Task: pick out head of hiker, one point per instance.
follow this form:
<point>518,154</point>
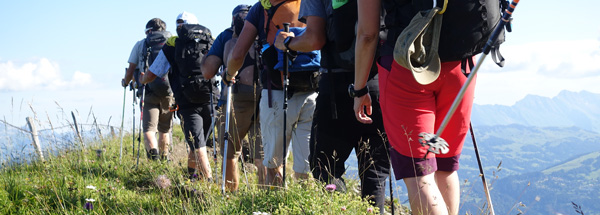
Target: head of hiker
<point>186,18</point>
<point>238,15</point>
<point>155,24</point>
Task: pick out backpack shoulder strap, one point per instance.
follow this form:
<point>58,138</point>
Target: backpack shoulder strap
<point>171,41</point>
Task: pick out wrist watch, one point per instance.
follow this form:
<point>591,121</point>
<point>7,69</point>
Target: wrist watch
<point>287,42</point>
<point>357,93</point>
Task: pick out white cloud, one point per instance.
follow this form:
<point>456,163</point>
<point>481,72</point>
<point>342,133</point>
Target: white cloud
<point>41,75</point>
<point>542,69</point>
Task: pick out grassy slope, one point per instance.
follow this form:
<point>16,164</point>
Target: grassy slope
<point>59,186</point>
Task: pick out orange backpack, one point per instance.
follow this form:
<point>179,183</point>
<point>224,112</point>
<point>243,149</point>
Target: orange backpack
<point>281,12</point>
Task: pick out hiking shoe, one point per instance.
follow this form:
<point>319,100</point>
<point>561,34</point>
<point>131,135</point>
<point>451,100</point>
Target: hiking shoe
<point>153,154</point>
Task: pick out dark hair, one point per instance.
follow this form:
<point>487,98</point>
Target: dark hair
<point>156,24</point>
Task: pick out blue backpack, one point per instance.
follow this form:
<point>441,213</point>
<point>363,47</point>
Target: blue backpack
<point>301,61</point>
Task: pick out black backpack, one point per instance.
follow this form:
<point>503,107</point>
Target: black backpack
<point>466,24</point>
<point>152,46</point>
<point>192,44</point>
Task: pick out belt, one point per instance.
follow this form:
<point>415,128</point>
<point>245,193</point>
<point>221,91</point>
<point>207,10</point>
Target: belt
<point>339,70</point>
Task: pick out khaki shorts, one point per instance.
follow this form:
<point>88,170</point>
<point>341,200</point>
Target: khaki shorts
<point>301,107</point>
<point>244,121</point>
<point>156,114</point>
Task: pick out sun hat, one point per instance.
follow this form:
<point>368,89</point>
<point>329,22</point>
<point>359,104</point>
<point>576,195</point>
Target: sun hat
<point>240,8</point>
<point>417,46</point>
<point>187,18</point>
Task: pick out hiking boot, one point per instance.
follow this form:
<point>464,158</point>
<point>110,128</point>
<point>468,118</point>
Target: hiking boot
<point>152,154</point>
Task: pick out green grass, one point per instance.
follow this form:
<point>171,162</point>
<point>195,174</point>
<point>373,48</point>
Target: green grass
<point>58,186</point>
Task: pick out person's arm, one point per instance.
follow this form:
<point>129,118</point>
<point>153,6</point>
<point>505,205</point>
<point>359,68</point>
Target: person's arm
<point>159,68</point>
<point>245,40</point>
<point>210,66</point>
<point>214,59</point>
<point>133,61</point>
<point>366,44</point>
<point>128,74</point>
<point>312,39</point>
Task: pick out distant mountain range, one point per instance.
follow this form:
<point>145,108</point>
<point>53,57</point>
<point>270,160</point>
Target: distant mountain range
<point>580,109</point>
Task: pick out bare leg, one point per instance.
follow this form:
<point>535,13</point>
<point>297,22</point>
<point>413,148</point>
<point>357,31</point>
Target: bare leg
<point>150,140</point>
<point>261,171</point>
<point>163,144</point>
<point>199,160</point>
<point>301,176</point>
<point>449,186</point>
<point>232,175</point>
<point>424,196</point>
<point>274,176</point>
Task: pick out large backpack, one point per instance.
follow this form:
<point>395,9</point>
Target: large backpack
<point>281,11</point>
<point>192,44</point>
<point>152,45</point>
<point>466,24</point>
<point>302,79</point>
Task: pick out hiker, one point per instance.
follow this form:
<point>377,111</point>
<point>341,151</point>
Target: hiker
<point>335,131</point>
<point>184,54</point>
<point>301,101</point>
<point>416,101</point>
<point>158,96</point>
<point>246,92</point>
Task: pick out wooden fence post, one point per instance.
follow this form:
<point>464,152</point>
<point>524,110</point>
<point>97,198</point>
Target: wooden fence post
<point>34,136</point>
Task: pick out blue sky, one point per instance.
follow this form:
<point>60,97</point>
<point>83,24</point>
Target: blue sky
<point>74,52</point>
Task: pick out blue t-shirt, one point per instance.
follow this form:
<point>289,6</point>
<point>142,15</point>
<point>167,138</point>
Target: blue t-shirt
<point>314,8</point>
<point>256,17</point>
<point>218,47</point>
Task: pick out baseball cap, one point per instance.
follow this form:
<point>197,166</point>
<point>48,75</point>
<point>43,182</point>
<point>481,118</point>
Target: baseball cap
<point>240,8</point>
<point>186,18</point>
<point>417,46</point>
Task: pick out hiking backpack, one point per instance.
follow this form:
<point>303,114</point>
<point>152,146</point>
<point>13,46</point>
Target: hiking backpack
<point>281,11</point>
<point>302,78</point>
<point>466,25</point>
<point>152,45</point>
<point>192,44</point>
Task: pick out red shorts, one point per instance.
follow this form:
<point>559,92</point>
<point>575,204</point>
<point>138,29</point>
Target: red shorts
<point>410,108</point>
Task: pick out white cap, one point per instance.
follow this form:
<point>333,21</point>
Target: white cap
<point>188,18</point>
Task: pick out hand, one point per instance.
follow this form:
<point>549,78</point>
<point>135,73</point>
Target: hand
<point>279,40</point>
<point>123,83</point>
<point>141,77</point>
<point>229,78</point>
<point>360,104</point>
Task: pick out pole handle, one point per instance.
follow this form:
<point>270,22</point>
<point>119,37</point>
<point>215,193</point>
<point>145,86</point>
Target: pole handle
<point>286,26</point>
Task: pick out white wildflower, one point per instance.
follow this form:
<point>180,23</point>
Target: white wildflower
<point>163,182</point>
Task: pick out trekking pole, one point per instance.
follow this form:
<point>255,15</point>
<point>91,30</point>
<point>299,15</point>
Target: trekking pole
<point>211,128</point>
<point>226,135</point>
<point>485,187</point>
<point>134,103</point>
<point>391,191</point>
<point>434,141</point>
<point>122,120</point>
<point>286,59</point>
<point>141,125</point>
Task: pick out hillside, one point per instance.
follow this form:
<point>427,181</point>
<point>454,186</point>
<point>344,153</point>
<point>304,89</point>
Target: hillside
<point>93,181</point>
<point>553,190</point>
<point>555,162</point>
